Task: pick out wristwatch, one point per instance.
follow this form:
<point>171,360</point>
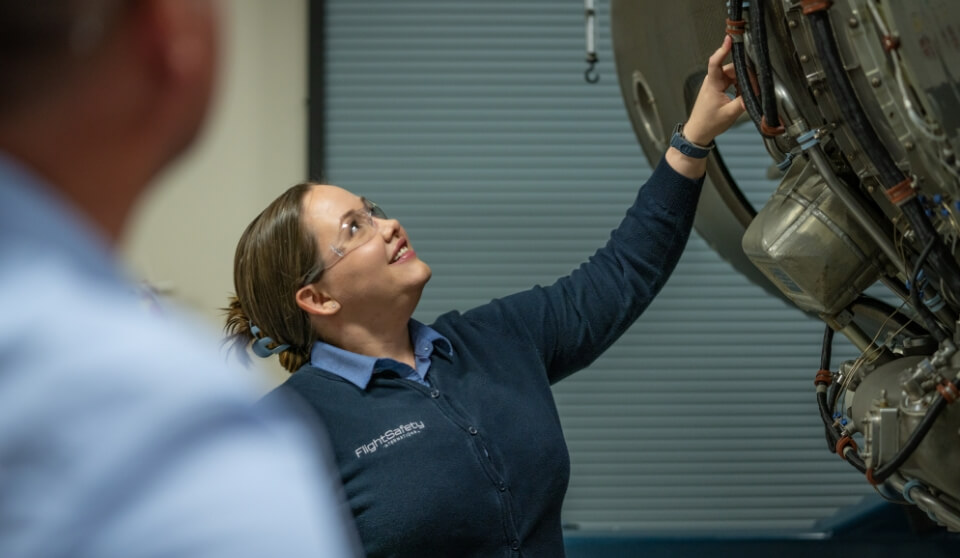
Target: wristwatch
<point>687,147</point>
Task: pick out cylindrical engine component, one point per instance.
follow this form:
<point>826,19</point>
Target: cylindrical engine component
<point>934,460</point>
<point>808,244</point>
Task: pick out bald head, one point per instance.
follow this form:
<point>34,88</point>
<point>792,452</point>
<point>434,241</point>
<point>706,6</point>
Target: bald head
<point>40,41</point>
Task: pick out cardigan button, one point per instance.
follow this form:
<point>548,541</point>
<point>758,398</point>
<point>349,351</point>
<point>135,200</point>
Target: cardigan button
<point>503,487</point>
<point>435,393</point>
<point>472,430</point>
<point>515,544</point>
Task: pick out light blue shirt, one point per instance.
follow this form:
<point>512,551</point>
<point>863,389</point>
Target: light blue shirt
<point>124,433</point>
<point>358,369</point>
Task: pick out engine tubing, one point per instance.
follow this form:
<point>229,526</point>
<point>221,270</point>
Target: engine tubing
<point>770,120</point>
<point>744,82</point>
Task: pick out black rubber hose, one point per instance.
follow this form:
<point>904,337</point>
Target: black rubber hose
<point>836,75</point>
<point>826,348</point>
<point>768,95</point>
<point>887,469</point>
<point>826,412</point>
<point>833,435</point>
<point>858,464</point>
<point>941,261</point>
<point>739,55</point>
<point>926,315</point>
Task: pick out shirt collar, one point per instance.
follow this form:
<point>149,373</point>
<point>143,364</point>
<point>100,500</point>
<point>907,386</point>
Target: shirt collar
<point>358,369</point>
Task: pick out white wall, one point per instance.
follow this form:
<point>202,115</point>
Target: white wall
<point>184,234</point>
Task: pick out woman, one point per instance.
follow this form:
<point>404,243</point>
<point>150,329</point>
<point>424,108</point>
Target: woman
<point>447,436</point>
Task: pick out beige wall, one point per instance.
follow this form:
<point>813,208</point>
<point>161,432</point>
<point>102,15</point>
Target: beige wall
<point>183,236</point>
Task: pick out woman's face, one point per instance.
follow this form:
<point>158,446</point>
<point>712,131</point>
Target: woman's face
<point>380,271</point>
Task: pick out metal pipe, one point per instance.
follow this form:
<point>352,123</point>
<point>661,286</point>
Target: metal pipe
<point>945,514</point>
<point>856,208</point>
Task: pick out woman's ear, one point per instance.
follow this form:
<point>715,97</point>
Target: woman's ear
<point>314,301</point>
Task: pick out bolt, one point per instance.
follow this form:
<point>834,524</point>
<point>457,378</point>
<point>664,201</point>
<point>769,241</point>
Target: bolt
<point>908,145</point>
<point>852,156</point>
<point>875,82</point>
<point>792,24</point>
<point>804,58</point>
<point>853,22</point>
<point>870,188</point>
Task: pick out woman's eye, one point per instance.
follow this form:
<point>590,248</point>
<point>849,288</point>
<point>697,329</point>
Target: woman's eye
<point>354,228</point>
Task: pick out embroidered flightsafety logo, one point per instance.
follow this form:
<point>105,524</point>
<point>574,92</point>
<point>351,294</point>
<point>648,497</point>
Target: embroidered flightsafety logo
<point>390,437</point>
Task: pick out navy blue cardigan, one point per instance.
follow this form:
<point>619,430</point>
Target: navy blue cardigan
<point>476,464</point>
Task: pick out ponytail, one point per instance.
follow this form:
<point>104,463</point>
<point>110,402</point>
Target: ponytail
<point>242,334</point>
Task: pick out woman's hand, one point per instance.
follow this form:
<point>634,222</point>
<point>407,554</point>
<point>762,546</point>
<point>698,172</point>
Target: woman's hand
<point>714,112</point>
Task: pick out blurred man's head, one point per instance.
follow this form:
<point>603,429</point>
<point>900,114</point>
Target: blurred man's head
<point>99,96</point>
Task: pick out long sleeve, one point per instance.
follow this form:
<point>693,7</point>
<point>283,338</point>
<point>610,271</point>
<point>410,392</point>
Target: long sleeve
<point>578,317</point>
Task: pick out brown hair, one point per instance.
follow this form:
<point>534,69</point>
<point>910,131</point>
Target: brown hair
<point>275,255</point>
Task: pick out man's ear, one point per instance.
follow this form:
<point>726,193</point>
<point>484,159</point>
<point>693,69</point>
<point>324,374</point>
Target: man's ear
<point>316,302</point>
<point>180,34</point>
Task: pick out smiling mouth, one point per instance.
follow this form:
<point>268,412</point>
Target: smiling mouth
<point>404,249</point>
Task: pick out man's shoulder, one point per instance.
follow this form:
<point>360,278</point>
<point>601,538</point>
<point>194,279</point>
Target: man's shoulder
<point>65,329</point>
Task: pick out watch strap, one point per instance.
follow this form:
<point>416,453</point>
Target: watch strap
<point>687,147</point>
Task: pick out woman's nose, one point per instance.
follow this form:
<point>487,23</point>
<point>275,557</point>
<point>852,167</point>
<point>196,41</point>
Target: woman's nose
<point>388,228</point>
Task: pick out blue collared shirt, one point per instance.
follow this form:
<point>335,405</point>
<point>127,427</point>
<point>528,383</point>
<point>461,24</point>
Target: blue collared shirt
<point>358,369</point>
<point>117,424</point>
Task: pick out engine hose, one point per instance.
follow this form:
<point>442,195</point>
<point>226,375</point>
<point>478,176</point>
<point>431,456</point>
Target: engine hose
<point>833,437</point>
<point>887,469</point>
<point>826,414</point>
<point>739,55</point>
<point>826,349</point>
<point>926,316</point>
<point>893,179</point>
<point>770,119</point>
<point>940,259</point>
<point>836,76</point>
